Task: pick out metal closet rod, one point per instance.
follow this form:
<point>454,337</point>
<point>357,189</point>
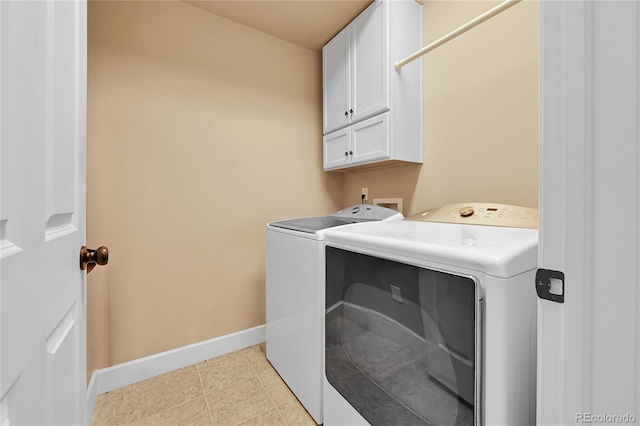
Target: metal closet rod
<point>460,30</point>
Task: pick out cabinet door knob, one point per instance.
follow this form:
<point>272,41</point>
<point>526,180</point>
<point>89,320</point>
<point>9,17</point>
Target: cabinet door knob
<point>346,113</point>
<point>346,154</point>
<point>350,152</point>
<point>351,111</point>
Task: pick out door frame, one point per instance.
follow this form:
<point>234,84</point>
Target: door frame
<point>589,346</point>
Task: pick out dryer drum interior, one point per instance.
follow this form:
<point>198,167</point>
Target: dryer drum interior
<point>403,344</point>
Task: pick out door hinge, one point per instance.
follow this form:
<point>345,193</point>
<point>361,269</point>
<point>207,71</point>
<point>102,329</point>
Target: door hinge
<point>550,285</point>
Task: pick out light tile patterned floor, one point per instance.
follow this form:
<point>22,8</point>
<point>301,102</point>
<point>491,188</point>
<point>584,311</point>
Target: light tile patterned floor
<point>240,388</point>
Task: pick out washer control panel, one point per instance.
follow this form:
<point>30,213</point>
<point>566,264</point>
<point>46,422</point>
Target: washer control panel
<point>363,212</point>
<point>481,214</point>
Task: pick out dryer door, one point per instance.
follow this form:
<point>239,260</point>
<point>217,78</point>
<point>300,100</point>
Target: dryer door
<point>403,344</point>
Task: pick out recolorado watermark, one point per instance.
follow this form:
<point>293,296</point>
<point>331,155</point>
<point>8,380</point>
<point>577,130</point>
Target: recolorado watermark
<point>606,418</point>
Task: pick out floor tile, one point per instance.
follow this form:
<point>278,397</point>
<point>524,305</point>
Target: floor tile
<point>238,402</point>
<point>268,418</point>
<point>223,371</point>
<point>398,357</point>
<point>276,388</point>
<point>257,359</point>
<point>410,374</point>
<point>105,414</point>
<point>466,419</point>
<point>294,414</point>
<point>376,420</point>
<point>193,413</point>
<point>132,403</point>
<point>239,388</point>
<point>435,403</point>
<point>351,395</point>
<point>368,390</point>
<point>120,407</point>
<point>386,382</point>
<point>396,413</point>
<point>370,347</point>
<point>338,364</point>
<point>170,389</point>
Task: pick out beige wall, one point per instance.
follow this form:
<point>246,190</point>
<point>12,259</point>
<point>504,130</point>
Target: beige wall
<point>200,131</point>
<point>480,114</point>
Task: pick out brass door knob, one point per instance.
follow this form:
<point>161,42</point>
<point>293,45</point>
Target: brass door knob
<point>90,258</point>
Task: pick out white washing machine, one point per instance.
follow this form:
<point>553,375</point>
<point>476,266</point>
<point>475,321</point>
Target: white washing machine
<point>295,297</point>
<point>431,320</point>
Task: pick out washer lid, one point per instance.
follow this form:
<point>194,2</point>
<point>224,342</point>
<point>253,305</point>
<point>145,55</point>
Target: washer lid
<point>311,225</point>
<point>353,214</point>
<point>497,251</point>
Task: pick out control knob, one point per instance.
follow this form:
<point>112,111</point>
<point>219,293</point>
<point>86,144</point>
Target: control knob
<point>466,211</point>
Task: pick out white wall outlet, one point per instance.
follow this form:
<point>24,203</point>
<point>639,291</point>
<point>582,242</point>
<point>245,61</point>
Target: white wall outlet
<point>365,192</point>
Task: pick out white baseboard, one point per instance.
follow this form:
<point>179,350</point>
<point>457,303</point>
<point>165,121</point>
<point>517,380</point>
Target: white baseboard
<point>107,379</point>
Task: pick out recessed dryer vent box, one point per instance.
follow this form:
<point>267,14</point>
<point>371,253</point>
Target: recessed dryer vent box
<point>390,203</point>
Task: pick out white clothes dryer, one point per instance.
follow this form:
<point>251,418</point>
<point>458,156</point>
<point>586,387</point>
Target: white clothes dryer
<point>431,320</point>
<point>295,297</point>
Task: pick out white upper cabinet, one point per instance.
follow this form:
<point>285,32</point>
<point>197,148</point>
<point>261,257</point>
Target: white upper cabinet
<point>369,83</point>
<point>336,68</point>
<point>365,141</point>
<point>354,72</point>
<point>360,83</point>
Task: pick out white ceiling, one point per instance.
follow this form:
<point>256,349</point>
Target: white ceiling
<point>307,23</point>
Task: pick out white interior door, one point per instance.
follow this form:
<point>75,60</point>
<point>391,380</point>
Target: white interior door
<point>589,346</point>
<point>42,155</point>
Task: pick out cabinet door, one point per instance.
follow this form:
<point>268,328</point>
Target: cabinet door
<point>335,82</point>
<point>336,150</point>
<point>370,65</point>
<point>370,139</point>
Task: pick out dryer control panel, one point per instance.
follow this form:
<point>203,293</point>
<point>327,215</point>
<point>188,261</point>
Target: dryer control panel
<point>481,214</point>
<point>365,212</point>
